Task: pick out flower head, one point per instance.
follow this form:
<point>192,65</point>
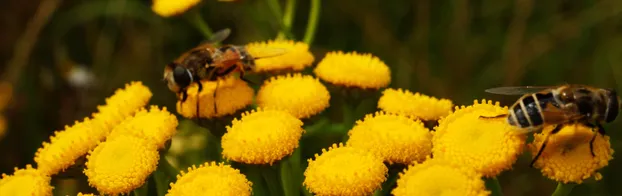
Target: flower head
<point>417,105</point>
<point>167,8</point>
<point>434,177</point>
<point>396,138</point>
<point>211,179</point>
<point>156,125</point>
<point>490,146</point>
<point>123,104</point>
<point>567,156</point>
<point>121,164</point>
<point>85,194</point>
<point>262,137</point>
<point>345,170</point>
<point>232,94</point>
<point>280,55</point>
<point>354,70</point>
<point>301,95</point>
<point>28,181</point>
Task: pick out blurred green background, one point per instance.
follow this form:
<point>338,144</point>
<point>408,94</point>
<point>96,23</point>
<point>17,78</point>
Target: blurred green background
<point>450,49</point>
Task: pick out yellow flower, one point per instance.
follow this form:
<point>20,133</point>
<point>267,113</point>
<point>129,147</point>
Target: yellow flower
<point>68,145</point>
<point>167,8</point>
<point>28,181</point>
<point>85,194</point>
<point>352,69</point>
<point>233,94</point>
<point>396,138</point>
<point>157,126</point>
<point>280,55</point>
<point>345,170</point>
<point>490,146</point>
<point>567,157</point>
<point>434,177</point>
<point>211,179</point>
<point>261,137</point>
<point>122,164</point>
<point>301,95</point>
<point>416,105</point>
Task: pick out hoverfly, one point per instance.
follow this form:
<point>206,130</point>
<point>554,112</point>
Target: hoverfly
<point>558,105</point>
<point>208,62</point>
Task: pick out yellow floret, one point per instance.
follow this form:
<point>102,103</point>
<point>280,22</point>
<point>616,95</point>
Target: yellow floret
<point>353,69</point>
<point>27,181</point>
<point>280,55</point>
<point>167,8</point>
<point>301,95</point>
<point>233,94</point>
<point>211,179</point>
<point>156,125</point>
<point>416,105</point>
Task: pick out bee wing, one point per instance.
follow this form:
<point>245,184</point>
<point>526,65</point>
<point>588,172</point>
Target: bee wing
<point>266,52</point>
<point>517,90</point>
<point>556,115</point>
<point>219,36</point>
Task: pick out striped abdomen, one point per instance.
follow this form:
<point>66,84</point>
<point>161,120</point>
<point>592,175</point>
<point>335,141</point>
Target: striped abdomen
<point>527,111</point>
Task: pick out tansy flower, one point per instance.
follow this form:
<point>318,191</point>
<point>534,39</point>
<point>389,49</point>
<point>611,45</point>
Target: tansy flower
<point>352,69</point>
<point>490,146</point>
<point>167,8</point>
<point>345,170</point>
<point>280,55</point>
<point>122,164</point>
<point>261,137</point>
<point>232,94</point>
<point>396,138</point>
<point>434,177</point>
<point>68,145</point>
<point>211,179</point>
<point>416,105</point>
<point>28,181</point>
<point>157,126</point>
<point>85,194</point>
<point>301,95</point>
<point>567,157</point>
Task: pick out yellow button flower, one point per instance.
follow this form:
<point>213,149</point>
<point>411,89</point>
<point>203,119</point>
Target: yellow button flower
<point>121,165</point>
<point>85,194</point>
<point>345,170</point>
<point>167,8</point>
<point>396,138</point>
<point>280,55</point>
<point>301,95</point>
<point>353,69</point>
<point>233,94</point>
<point>567,157</point>
<point>28,181</point>
<point>156,125</point>
<point>416,105</point>
<point>490,146</point>
<point>211,179</point>
<point>434,177</point>
<point>261,137</point>
<point>123,104</point>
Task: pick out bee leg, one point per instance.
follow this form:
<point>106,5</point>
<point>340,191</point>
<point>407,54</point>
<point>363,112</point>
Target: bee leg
<point>493,117</point>
<point>184,96</point>
<point>546,139</point>
<point>600,130</point>
<point>244,79</point>
<point>198,92</point>
<point>214,97</point>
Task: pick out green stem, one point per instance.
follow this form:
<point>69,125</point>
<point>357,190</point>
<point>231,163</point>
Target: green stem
<point>195,18</point>
<point>288,18</point>
<point>275,7</point>
<point>271,180</point>
<point>291,174</point>
<point>563,189</point>
<point>314,15</point>
<point>494,186</point>
<point>253,173</point>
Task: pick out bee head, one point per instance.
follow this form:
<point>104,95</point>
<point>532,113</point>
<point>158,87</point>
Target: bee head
<point>177,77</point>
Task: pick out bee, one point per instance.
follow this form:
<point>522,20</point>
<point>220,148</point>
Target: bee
<point>209,62</point>
<point>559,105</point>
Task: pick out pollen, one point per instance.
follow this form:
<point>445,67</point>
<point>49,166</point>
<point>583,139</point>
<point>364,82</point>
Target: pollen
<point>74,141</point>
<point>301,95</point>
<point>417,105</point>
<point>232,94</point>
<point>122,164</point>
<point>489,146</point>
<point>211,179</point>
<point>27,181</point>
<point>262,137</point>
<point>396,138</point>
<point>156,125</point>
<point>280,55</point>
<point>353,69</point>
<point>567,157</point>
<point>434,177</point>
<point>345,170</point>
<point>167,8</point>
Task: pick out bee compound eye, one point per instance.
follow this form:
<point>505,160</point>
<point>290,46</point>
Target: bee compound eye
<point>182,76</point>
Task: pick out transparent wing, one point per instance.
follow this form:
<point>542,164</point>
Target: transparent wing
<point>556,115</point>
<point>517,90</point>
<point>266,52</point>
<point>220,36</point>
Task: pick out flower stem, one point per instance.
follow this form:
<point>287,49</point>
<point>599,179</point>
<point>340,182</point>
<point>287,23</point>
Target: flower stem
<point>290,170</point>
<point>494,186</point>
<point>563,189</point>
<point>195,18</point>
<point>288,18</point>
<point>271,180</point>
<point>314,15</point>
